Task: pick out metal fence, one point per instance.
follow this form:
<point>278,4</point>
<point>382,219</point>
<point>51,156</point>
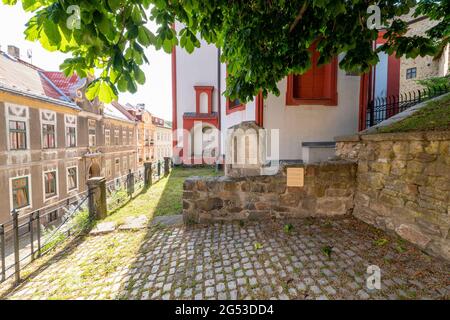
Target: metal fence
<point>383,108</point>
<point>26,237</point>
<point>121,189</point>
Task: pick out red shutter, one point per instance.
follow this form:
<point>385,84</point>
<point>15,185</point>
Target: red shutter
<point>317,86</point>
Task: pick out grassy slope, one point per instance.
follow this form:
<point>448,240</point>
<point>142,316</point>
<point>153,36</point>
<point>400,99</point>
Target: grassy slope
<point>162,198</point>
<point>434,116</point>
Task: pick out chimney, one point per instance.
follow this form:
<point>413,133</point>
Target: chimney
<point>14,51</point>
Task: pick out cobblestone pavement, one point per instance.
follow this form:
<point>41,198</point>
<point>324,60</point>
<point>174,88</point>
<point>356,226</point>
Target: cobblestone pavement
<point>308,259</point>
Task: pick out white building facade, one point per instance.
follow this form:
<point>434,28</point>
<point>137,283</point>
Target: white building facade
<point>311,110</point>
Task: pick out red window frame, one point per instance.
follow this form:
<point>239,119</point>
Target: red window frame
<point>330,80</point>
<point>230,108</point>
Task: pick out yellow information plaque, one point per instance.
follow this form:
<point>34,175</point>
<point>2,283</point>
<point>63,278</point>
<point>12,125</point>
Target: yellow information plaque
<point>295,177</point>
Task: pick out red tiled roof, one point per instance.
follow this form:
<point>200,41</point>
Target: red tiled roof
<point>59,79</point>
<point>123,110</point>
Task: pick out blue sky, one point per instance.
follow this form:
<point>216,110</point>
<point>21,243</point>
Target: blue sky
<point>156,93</point>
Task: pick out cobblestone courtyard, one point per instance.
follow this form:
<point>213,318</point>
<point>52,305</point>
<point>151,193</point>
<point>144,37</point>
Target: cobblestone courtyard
<point>308,259</point>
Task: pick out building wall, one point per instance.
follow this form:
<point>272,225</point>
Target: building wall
<point>35,160</point>
<point>310,123</point>
<point>427,67</point>
<point>163,143</point>
<point>296,124</point>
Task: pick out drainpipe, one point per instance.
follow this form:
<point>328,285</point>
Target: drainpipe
<point>219,101</point>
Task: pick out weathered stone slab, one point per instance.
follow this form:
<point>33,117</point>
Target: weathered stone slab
<point>135,223</point>
<point>171,220</point>
<point>103,228</point>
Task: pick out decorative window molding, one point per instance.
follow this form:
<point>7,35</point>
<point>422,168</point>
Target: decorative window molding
<point>124,137</point>
<point>317,86</point>
<point>48,129</point>
<point>208,90</point>
<point>116,137</point>
<point>17,116</point>
<point>233,105</point>
<point>92,129</point>
<point>48,177</point>
<point>72,178</point>
<point>107,137</point>
<point>16,184</point>
<point>130,137</point>
<point>70,122</point>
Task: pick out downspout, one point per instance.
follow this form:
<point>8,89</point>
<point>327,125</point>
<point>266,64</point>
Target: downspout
<point>219,103</point>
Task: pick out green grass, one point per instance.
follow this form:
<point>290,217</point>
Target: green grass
<point>162,198</point>
<point>435,116</point>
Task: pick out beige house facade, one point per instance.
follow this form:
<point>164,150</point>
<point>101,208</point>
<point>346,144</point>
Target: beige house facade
<point>52,139</point>
<point>420,68</point>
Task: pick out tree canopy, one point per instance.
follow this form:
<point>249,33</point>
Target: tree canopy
<point>262,41</point>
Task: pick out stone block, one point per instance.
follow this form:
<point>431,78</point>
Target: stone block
<point>209,204</point>
<point>413,234</point>
<point>331,206</point>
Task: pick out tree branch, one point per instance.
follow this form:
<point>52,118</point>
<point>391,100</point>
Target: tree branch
<point>299,16</point>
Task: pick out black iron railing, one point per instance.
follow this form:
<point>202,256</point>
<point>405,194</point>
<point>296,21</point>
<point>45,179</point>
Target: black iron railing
<point>26,237</point>
<point>383,108</point>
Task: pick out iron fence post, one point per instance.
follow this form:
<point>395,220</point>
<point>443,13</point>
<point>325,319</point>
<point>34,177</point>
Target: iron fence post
<point>31,236</point>
<point>2,254</point>
<point>38,232</point>
<point>372,113</point>
<point>15,217</point>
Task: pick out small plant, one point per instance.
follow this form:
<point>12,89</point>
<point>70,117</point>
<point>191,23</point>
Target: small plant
<point>327,250</point>
<point>288,228</point>
<point>400,246</point>
<point>381,242</point>
<point>258,246</point>
<point>241,223</point>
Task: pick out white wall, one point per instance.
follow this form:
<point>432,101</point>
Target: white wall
<point>196,69</point>
<point>297,124</point>
<point>233,118</point>
<point>310,123</point>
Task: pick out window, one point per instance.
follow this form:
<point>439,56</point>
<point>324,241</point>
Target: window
<point>91,132</point>
<point>107,137</point>
<point>20,192</point>
<point>130,161</point>
<point>71,137</point>
<point>125,164</point>
<point>124,137</point>
<point>116,137</point>
<point>117,167</point>
<point>53,215</point>
<point>411,73</point>
<point>130,137</point>
<point>234,105</point>
<point>17,135</point>
<point>71,131</point>
<point>50,186</point>
<point>72,178</point>
<point>317,86</point>
<point>48,122</point>
<point>108,168</point>
<point>48,136</point>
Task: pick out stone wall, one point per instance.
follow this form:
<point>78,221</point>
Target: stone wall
<point>328,190</point>
<point>403,185</point>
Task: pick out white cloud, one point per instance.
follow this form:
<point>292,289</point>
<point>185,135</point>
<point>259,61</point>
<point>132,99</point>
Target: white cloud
<point>156,93</point>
